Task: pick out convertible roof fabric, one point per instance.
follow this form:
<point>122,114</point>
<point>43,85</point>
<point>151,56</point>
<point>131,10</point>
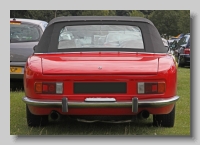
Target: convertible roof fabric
<point>151,37</point>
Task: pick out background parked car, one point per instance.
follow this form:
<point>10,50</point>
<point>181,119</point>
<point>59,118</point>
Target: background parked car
<point>166,44</point>
<point>182,50</point>
<point>177,38</point>
<point>171,40</point>
<point>24,35</point>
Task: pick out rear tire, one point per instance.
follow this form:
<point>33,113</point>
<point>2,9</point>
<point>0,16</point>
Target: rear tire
<point>35,120</point>
<point>164,120</point>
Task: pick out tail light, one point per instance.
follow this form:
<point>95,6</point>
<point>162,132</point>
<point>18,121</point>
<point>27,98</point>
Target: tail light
<point>187,51</point>
<point>151,87</point>
<point>49,87</point>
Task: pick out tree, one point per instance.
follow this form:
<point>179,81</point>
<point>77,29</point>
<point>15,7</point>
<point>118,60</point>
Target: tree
<point>136,13</point>
<point>166,22</point>
<point>184,21</point>
<point>45,15</point>
<point>95,13</point>
<point>146,12</point>
<point>18,13</point>
<point>123,12</point>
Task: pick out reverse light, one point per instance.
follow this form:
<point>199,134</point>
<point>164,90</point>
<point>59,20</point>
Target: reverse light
<point>49,87</point>
<point>151,87</point>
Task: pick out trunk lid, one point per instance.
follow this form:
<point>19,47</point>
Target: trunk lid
<point>100,64</point>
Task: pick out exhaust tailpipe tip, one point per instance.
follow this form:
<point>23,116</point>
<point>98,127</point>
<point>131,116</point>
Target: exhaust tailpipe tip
<point>143,115</point>
<point>54,115</point>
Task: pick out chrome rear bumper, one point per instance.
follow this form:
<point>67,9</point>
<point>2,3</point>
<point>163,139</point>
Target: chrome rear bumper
<point>134,104</point>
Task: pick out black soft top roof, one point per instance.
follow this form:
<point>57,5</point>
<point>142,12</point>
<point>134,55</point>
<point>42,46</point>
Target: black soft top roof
<point>99,18</point>
<point>151,37</point>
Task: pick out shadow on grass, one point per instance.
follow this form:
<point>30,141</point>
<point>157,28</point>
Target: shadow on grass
<point>16,85</point>
<point>69,126</point>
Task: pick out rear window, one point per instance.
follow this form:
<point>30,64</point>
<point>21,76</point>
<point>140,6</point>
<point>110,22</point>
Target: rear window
<point>24,32</point>
<point>100,36</point>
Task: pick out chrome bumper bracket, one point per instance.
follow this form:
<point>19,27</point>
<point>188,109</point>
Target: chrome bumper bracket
<point>64,104</point>
<point>134,105</point>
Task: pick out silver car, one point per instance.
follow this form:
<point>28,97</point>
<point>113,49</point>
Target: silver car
<point>24,35</point>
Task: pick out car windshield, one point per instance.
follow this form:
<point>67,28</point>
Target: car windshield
<point>21,32</point>
<point>100,36</point>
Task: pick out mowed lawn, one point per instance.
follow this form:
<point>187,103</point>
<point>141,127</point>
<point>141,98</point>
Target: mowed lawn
<point>66,126</point>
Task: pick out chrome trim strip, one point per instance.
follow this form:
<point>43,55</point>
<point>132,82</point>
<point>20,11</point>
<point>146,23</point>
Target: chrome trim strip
<point>141,103</point>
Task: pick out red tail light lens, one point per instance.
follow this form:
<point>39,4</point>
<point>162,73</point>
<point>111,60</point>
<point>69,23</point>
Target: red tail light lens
<point>151,87</point>
<point>49,88</point>
<point>187,51</point>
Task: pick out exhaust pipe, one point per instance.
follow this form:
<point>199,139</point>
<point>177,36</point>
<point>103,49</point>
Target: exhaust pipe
<point>54,115</point>
<point>143,115</point>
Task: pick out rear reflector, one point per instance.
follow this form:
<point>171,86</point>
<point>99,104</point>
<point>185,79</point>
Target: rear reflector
<point>49,87</point>
<point>151,87</point>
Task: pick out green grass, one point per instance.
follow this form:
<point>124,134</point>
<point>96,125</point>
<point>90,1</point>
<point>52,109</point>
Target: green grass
<point>66,126</point>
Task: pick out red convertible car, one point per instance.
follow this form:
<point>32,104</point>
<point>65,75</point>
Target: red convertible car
<point>93,67</point>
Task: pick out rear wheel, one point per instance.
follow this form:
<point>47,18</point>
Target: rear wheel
<point>164,120</point>
<point>35,120</point>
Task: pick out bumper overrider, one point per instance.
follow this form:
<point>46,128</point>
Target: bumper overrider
<point>101,103</point>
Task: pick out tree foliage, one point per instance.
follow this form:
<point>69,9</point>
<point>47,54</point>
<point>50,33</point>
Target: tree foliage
<point>123,12</point>
<point>166,21</point>
<point>169,22</point>
<point>184,21</point>
<point>147,12</point>
<point>97,13</point>
<point>136,14</point>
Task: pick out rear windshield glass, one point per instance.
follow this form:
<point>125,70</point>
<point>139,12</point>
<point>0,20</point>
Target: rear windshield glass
<point>100,36</point>
<point>20,32</point>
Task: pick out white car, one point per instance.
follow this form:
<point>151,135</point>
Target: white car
<point>166,44</point>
